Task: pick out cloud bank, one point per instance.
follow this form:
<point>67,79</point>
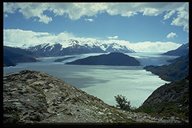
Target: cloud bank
<point>157,46</point>
<point>75,11</point>
<point>25,38</point>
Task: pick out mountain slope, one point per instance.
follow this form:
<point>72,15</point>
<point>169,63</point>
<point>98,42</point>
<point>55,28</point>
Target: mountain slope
<point>115,59</point>
<point>8,62</point>
<point>35,97</point>
<point>72,46</point>
<point>181,51</point>
<point>177,70</point>
<point>12,56</point>
<point>170,99</point>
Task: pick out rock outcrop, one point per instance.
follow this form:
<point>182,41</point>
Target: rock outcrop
<point>35,97</point>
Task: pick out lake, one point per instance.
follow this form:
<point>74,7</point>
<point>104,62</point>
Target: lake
<point>104,82</point>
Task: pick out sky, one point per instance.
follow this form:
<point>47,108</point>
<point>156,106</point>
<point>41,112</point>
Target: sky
<point>141,23</point>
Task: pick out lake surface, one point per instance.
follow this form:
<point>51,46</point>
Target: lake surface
<point>104,82</point>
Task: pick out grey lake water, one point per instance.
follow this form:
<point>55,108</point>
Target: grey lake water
<point>104,82</point>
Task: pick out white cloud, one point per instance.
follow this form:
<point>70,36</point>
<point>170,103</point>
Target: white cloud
<point>148,46</point>
<point>89,20</point>
<point>171,35</point>
<point>182,18</point>
<point>19,38</point>
<point>9,8</point>
<point>169,14</point>
<point>77,10</point>
<point>29,10</point>
<point>112,37</point>
<point>150,12</point>
<point>45,19</point>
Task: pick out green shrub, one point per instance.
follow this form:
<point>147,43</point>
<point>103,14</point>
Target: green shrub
<point>122,102</point>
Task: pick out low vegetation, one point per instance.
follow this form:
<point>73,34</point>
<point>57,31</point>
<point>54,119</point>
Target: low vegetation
<point>122,102</point>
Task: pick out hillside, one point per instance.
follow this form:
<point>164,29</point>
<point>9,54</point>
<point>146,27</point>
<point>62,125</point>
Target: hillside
<point>170,99</point>
<point>177,70</point>
<point>114,59</point>
<point>181,51</point>
<point>35,97</point>
<point>12,56</point>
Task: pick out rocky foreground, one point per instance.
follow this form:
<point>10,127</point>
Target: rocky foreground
<point>36,97</point>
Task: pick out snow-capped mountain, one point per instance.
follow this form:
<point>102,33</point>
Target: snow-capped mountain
<point>74,46</point>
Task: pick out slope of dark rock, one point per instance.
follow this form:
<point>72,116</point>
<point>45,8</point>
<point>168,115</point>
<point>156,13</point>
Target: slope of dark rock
<point>170,99</point>
<point>12,56</point>
<point>35,97</point>
<point>115,59</point>
<point>8,62</point>
<point>177,70</point>
<point>181,51</point>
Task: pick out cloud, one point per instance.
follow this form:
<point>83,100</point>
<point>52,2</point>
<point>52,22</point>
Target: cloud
<point>77,10</point>
<point>182,18</point>
<point>169,14</point>
<point>149,46</point>
<point>89,20</point>
<point>112,37</point>
<point>29,10</point>
<point>171,35</point>
<point>150,12</point>
<point>20,38</point>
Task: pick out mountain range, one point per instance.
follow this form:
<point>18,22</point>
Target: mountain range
<point>13,55</point>
<point>78,47</point>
